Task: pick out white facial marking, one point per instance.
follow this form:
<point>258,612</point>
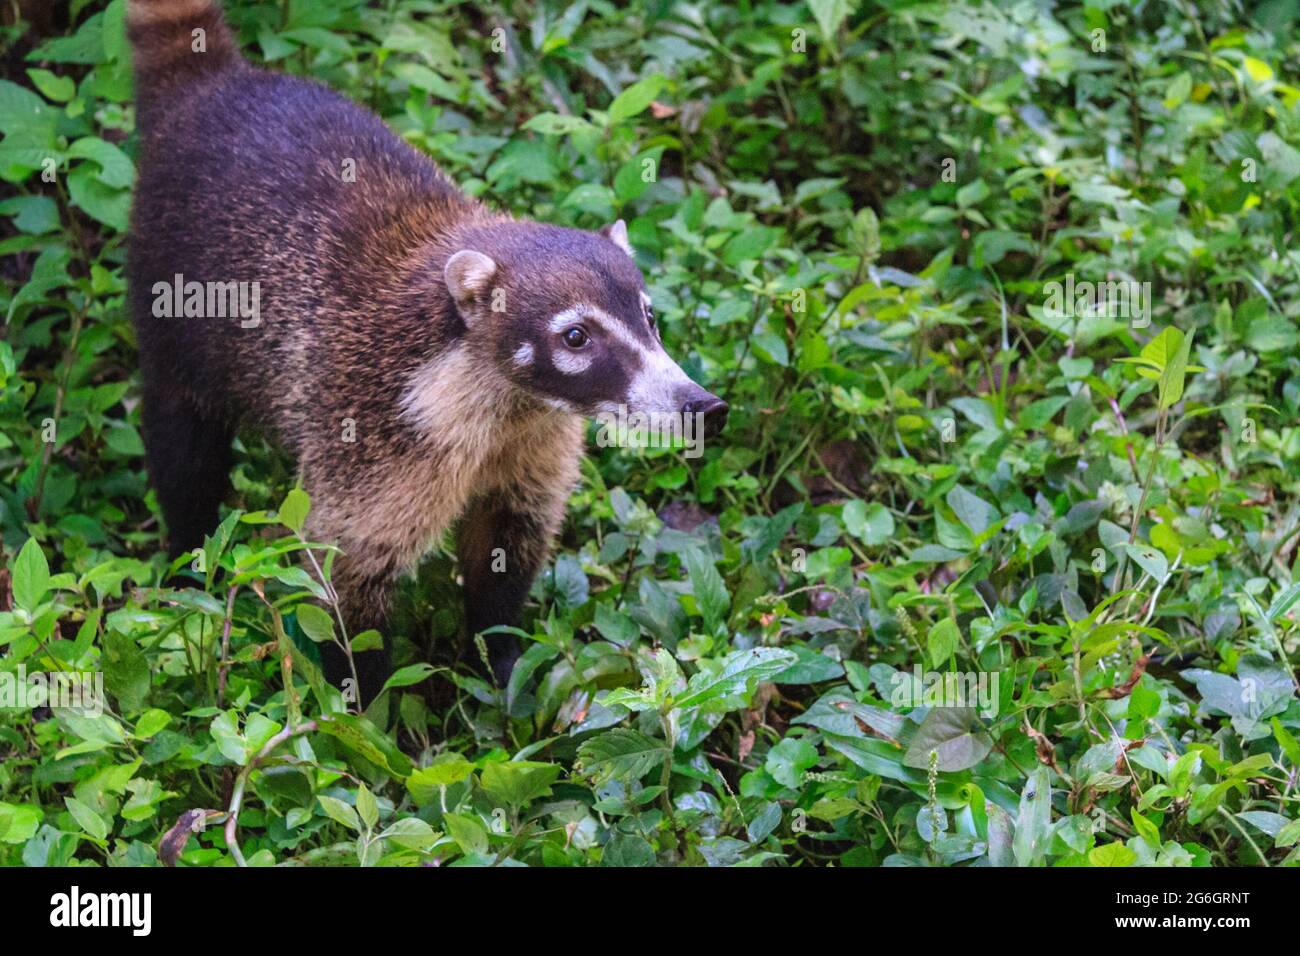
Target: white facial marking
<point>524,354</point>
<point>558,404</point>
<point>570,363</point>
<point>614,328</point>
<point>575,363</point>
<point>562,320</point>
<point>655,385</point>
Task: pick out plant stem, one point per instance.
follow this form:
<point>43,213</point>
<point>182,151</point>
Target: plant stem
<point>237,795</point>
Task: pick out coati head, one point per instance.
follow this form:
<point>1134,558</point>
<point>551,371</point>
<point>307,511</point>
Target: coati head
<point>564,316</point>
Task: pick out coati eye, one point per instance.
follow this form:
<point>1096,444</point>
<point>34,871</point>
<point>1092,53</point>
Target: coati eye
<point>575,337</point>
<point>650,317</point>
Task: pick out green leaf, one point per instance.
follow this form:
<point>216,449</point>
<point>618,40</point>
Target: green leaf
<point>444,770</point>
<point>258,730</point>
<point>1180,87</point>
<point>31,576</point>
<point>824,561</point>
<point>23,112</point>
<point>18,822</point>
<point>369,640</point>
<point>942,641</point>
<point>1289,835</point>
<point>1257,70</point>
<point>751,244</point>
<point>518,782</point>
<point>411,832</point>
<point>558,124</point>
<point>614,626</point>
<point>117,47</point>
<point>711,593</point>
<point>973,511</point>
<point>733,680</point>
<point>361,735</point>
<point>636,175</point>
<point>126,671</point>
<point>830,14</point>
<point>115,168</point>
<point>534,657</point>
<point>60,89</point>
<point>1158,352</point>
<point>319,38</point>
<point>151,722</point>
<point>571,585</point>
<point>409,675</point>
<point>125,440</point>
<point>810,667</point>
<point>1034,822</point>
<point>634,99</point>
<point>789,759</point>
<point>1145,829</point>
<point>469,834</point>
<point>627,850</point>
<point>86,818</point>
<point>972,194</point>
<point>773,532</point>
<point>316,623</point>
<point>951,733</point>
<point>294,509</point>
<point>367,807</point>
<point>36,215</point>
<point>872,524</point>
<point>1037,414</point>
<point>1150,560</point>
<point>1112,854</point>
<point>764,822</point>
<point>621,754</point>
<point>107,204</point>
<point>1287,742</point>
<point>1264,820</point>
<point>1174,376</point>
<point>340,811</point>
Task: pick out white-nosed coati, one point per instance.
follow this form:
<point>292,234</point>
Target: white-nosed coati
<point>424,358</point>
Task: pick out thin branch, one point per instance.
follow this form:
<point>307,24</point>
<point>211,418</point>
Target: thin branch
<point>223,668</point>
<point>237,796</point>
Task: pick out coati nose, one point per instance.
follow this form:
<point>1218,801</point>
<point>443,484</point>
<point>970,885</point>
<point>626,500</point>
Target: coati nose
<point>714,411</point>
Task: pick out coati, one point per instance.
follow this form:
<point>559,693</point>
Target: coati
<point>428,361</point>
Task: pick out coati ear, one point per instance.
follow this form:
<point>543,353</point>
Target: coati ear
<point>616,232</point>
<point>467,274</point>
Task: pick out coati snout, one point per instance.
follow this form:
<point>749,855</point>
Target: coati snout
<point>566,315</point>
<point>427,360</point>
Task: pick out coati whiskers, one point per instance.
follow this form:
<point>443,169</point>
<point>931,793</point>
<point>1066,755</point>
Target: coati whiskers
<point>427,360</point>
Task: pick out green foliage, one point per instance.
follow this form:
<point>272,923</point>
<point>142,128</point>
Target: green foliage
<point>958,470</point>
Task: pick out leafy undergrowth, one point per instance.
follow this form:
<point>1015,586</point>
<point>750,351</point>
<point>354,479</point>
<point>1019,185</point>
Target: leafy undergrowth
<point>976,575</point>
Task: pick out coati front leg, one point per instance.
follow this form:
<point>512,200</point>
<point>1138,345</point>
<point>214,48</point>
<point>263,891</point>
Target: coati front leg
<point>382,520</point>
<point>503,540</point>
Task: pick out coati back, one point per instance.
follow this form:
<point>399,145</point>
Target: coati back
<point>295,266</point>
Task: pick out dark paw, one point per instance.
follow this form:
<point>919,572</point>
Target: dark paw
<point>372,670</point>
<point>503,652</point>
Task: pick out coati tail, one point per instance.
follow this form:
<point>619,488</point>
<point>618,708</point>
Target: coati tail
<point>177,41</point>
